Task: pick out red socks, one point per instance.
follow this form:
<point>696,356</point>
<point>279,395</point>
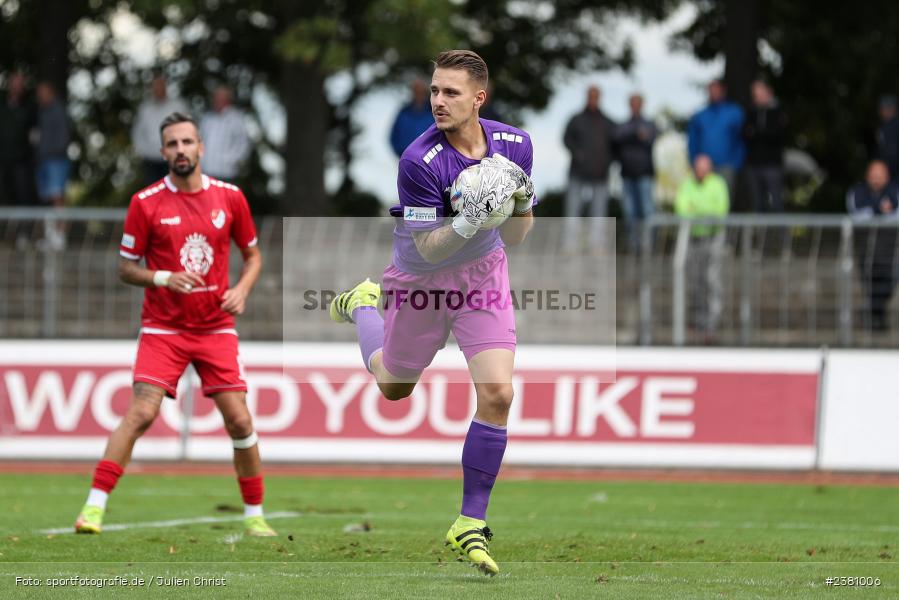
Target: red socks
<point>106,475</point>
<point>252,489</point>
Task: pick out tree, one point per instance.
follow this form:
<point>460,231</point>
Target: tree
<point>288,50</point>
<point>527,42</point>
<point>34,36</point>
<point>358,37</point>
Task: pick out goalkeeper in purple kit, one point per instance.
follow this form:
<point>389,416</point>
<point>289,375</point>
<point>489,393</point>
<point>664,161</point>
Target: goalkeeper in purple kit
<point>435,250</point>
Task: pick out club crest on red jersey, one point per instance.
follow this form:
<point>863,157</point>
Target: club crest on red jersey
<point>218,218</point>
<point>196,254</point>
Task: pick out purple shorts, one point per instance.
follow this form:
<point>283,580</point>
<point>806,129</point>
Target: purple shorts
<point>473,300</point>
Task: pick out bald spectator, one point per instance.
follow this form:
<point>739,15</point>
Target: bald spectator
<point>145,129</point>
<point>765,132</point>
<point>17,119</point>
<point>704,195</point>
<point>589,136</point>
<point>225,138</point>
<point>635,138</point>
<point>876,198</point>
<point>413,118</point>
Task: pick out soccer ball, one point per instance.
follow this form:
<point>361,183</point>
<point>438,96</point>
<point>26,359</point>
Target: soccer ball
<point>468,187</point>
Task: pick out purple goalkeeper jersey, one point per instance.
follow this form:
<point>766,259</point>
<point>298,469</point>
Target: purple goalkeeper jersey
<point>427,170</point>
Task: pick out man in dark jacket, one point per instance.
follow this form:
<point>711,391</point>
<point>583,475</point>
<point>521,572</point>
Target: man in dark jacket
<point>888,136</point>
<point>876,198</point>
<point>17,118</point>
<point>634,140</point>
<point>764,132</point>
<point>589,136</point>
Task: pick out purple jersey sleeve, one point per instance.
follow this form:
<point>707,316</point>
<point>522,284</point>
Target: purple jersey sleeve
<point>527,162</point>
<point>524,158</point>
<point>421,196</point>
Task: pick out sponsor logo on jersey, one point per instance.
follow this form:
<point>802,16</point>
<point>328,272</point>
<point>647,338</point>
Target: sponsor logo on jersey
<point>218,218</point>
<point>196,254</point>
<point>128,240</point>
<point>176,220</point>
<point>424,214</point>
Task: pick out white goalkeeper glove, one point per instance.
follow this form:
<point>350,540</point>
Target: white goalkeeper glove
<point>524,187</point>
<point>478,203</point>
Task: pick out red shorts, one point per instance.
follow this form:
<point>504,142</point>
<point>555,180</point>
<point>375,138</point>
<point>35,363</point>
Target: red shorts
<point>162,357</point>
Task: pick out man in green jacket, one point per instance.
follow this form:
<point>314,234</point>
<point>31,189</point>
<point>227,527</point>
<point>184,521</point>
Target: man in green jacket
<point>704,195</point>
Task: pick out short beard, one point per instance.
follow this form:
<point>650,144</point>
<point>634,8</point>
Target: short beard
<point>182,171</point>
<point>456,126</point>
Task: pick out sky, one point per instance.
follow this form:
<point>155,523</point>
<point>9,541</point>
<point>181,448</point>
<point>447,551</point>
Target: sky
<point>669,80</point>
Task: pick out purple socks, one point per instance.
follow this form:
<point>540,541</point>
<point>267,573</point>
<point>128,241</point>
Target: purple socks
<point>370,330</point>
<point>482,456</point>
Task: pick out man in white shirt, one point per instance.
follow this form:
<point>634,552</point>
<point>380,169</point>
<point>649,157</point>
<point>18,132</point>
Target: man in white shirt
<point>224,133</point>
<point>145,129</point>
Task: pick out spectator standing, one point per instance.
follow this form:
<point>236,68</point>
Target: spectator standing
<point>413,119</point>
<point>888,136</point>
<point>589,136</point>
<point>717,131</point>
<point>145,129</point>
<point>703,195</point>
<point>764,132</point>
<point>876,198</point>
<point>635,139</point>
<point>224,134</point>
<point>54,137</point>
<point>17,119</point>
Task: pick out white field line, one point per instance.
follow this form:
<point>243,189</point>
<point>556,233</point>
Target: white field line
<point>56,491</point>
<point>171,523</point>
<point>619,523</point>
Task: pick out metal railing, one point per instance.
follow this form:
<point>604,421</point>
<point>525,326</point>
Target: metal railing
<point>793,280</point>
<point>787,280</point>
<point>73,290</point>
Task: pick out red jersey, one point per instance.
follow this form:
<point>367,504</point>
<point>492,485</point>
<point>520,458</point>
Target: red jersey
<point>177,231</point>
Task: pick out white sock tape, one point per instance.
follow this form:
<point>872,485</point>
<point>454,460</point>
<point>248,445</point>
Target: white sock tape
<point>247,442</point>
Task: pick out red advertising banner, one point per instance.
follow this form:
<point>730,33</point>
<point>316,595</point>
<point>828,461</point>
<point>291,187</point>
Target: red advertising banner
<point>663,407</point>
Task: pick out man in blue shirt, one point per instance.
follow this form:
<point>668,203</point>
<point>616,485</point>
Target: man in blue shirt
<point>412,119</point>
<point>716,131</point>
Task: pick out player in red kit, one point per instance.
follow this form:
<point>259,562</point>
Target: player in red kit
<point>182,228</point>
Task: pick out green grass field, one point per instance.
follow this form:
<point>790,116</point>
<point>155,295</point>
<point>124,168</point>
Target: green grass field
<point>382,538</point>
